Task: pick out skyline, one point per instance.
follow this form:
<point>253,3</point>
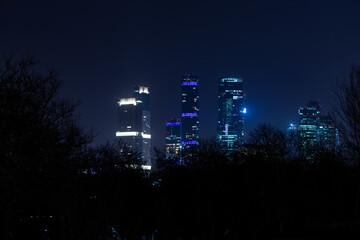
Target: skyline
<point>293,50</point>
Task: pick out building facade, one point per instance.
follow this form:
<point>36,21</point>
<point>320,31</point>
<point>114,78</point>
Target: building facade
<point>327,134</point>
<point>133,124</point>
<point>142,95</point>
<point>292,138</point>
<point>190,111</point>
<point>316,131</point>
<point>308,130</point>
<point>173,138</point>
<point>231,111</point>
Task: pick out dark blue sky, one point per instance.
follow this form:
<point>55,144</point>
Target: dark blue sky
<point>287,51</point>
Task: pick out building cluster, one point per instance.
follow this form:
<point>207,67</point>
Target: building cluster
<point>182,132</point>
<point>315,132</point>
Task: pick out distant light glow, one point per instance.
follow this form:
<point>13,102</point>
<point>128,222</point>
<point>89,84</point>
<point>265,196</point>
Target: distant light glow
<point>244,110</point>
<point>127,101</point>
<point>189,142</point>
<point>189,84</point>
<point>127,134</point>
<point>189,115</point>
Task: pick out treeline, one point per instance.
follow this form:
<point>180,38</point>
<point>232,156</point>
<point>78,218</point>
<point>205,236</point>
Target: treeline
<point>54,186</point>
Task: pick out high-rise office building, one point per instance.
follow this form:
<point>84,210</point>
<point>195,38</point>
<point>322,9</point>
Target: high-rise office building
<point>190,111</point>
<point>230,130</point>
<point>133,124</point>
<point>308,129</point>
<point>173,138</point>
<point>327,133</point>
<point>292,138</point>
<point>316,131</point>
<point>142,94</point>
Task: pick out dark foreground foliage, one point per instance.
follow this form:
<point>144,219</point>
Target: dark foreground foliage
<point>221,201</point>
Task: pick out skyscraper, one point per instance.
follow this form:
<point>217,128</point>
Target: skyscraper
<point>308,129</point>
<point>292,138</point>
<point>190,111</point>
<point>230,130</point>
<point>173,138</point>
<point>328,134</point>
<point>134,121</point>
<point>142,94</point>
<point>316,131</point>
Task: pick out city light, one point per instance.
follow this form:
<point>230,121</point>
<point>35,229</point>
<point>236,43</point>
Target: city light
<point>173,124</point>
<point>127,101</point>
<point>189,115</point>
<point>147,136</point>
<point>189,84</point>
<point>189,142</point>
<point>127,134</point>
<point>144,90</point>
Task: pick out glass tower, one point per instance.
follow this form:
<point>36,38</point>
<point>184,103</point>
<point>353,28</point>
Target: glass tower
<point>230,130</point>
<point>308,129</point>
<point>190,111</point>
<point>133,124</point>
<point>142,95</point>
<point>316,131</point>
<point>328,134</point>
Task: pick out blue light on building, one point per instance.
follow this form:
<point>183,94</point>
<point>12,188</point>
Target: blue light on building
<point>190,110</point>
<point>173,139</point>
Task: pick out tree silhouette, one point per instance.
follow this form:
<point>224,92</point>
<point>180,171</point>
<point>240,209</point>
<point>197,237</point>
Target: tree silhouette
<point>346,113</point>
<point>39,138</point>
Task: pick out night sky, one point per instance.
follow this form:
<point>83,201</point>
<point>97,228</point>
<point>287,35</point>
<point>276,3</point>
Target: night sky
<point>288,52</point>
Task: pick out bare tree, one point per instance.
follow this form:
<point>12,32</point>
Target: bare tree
<point>346,113</point>
<point>271,141</point>
<point>39,138</point>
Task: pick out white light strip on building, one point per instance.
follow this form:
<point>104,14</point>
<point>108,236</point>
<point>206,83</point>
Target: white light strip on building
<point>127,134</point>
<point>127,101</point>
<point>144,135</point>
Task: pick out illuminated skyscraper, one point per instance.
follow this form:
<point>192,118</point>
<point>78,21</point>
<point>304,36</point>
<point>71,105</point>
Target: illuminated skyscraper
<point>308,129</point>
<point>190,111</point>
<point>292,137</point>
<point>173,138</point>
<point>230,130</point>
<point>142,94</point>
<point>134,121</point>
<point>316,131</point>
<point>327,134</point>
